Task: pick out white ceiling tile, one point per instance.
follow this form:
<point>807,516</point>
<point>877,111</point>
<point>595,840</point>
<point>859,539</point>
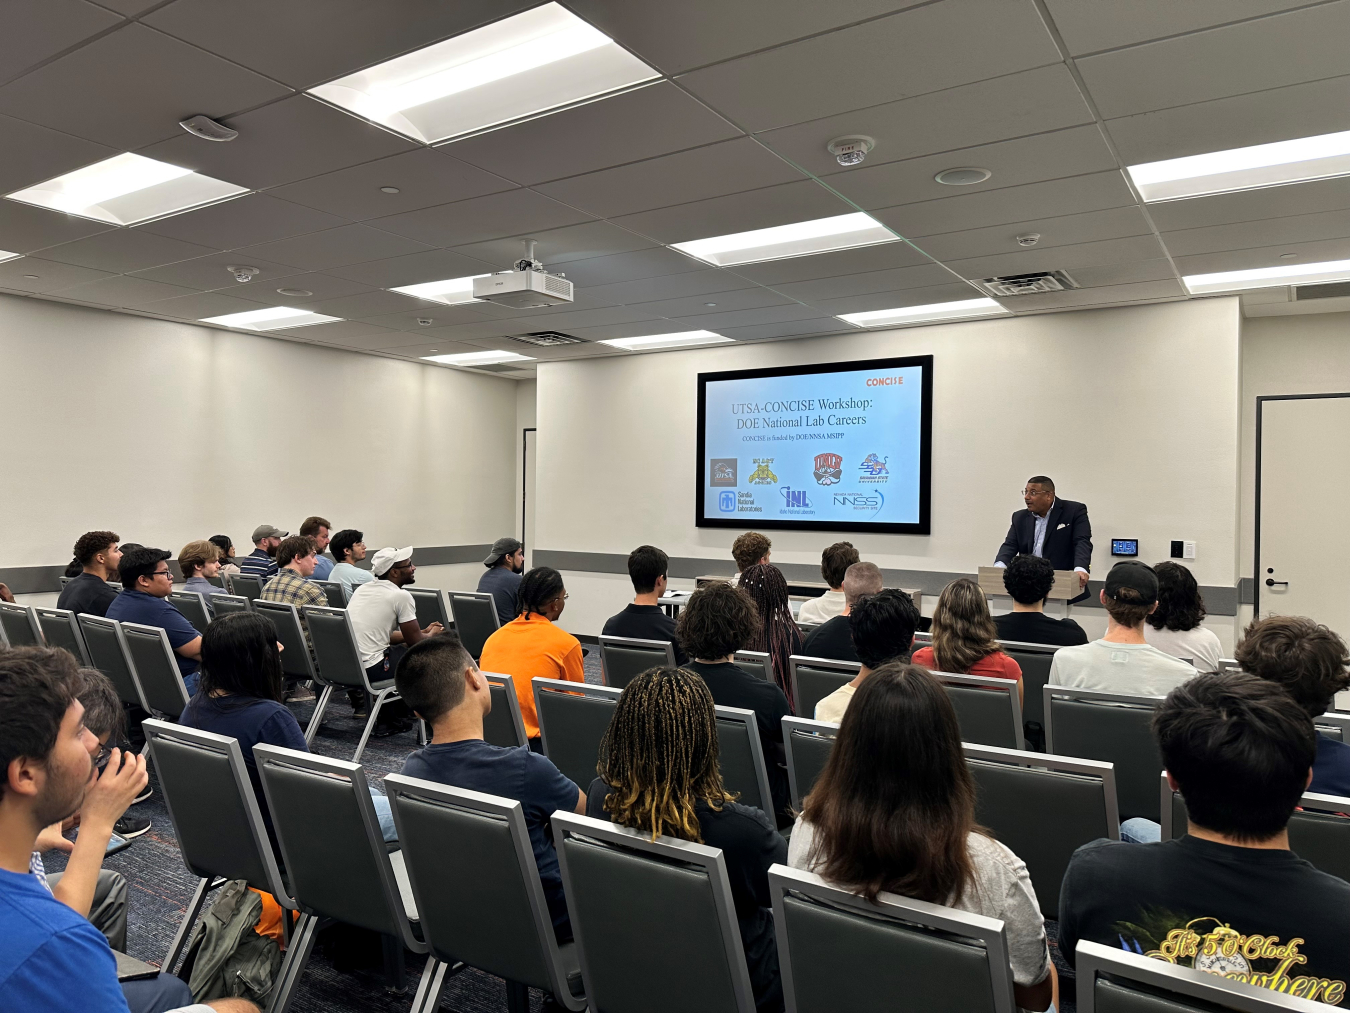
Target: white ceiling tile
<point>128,8</point>
<point>722,302</point>
<point>37,32</point>
<point>244,221</point>
<point>323,286</point>
<point>32,154</point>
<point>1124,274</point>
<point>1253,205</point>
<point>125,250</point>
<point>24,227</point>
<point>1110,295</point>
<point>467,332</point>
<point>210,273</point>
<point>131,87</point>
<point>367,304</point>
<point>834,265</point>
<point>413,269</point>
<point>333,248</point>
<point>655,263</point>
<point>385,339</point>
<point>1088,27</point>
<point>472,221</point>
<point>201,305</point>
<point>707,283</point>
<point>434,347</point>
<point>559,246</point>
<point>1067,258</point>
<point>715,320</point>
<point>31,274</point>
<point>567,322</point>
<point>281,143</point>
<point>124,291</point>
<point>1301,45</point>
<point>439,315</point>
<point>758,209</point>
<point>788,329</point>
<point>951,290</point>
<point>1265,256</point>
<point>905,54</point>
<point>1267,232</point>
<point>852,285</point>
<point>1067,230</point>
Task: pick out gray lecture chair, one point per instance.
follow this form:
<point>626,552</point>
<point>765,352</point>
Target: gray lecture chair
<point>756,663</point>
<point>838,951</point>
<point>504,725</point>
<point>244,584</point>
<point>619,884</point>
<point>224,604</point>
<point>1113,727</point>
<point>64,581</point>
<point>572,719</point>
<point>622,658</point>
<point>807,744</point>
<point>215,817</point>
<point>337,864</point>
<point>217,580</point>
<point>1229,665</point>
<point>813,679</point>
<point>1035,661</point>
<point>192,606</point>
<point>1113,980</point>
<point>475,617</point>
<point>336,593</point>
<point>496,919</point>
<point>340,662</point>
<point>1043,807</point>
<point>156,668</point>
<point>60,628</point>
<point>740,756</point>
<point>988,709</point>
<point>19,626</point>
<point>296,661</point>
<point>107,646</point>
<point>1333,724</point>
<point>430,602</point>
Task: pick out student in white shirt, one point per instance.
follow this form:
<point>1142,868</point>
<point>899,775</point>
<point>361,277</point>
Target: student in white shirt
<point>834,563</point>
<point>1174,626</point>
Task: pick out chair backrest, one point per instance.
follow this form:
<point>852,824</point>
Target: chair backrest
<point>19,626</point>
<point>156,668</point>
<point>1113,727</point>
<point>619,883</point>
<point>475,618</point>
<point>1114,980</point>
<point>108,653</point>
<point>988,709</point>
<point>740,755</point>
<point>622,658</point>
<point>430,602</point>
<point>245,584</point>
<point>1035,661</point>
<point>60,628</point>
<point>214,812</point>
<point>1333,725</point>
<point>807,744</point>
<point>1229,665</point>
<point>217,580</point>
<point>325,822</point>
<point>573,717</point>
<point>756,663</point>
<point>504,725</point>
<point>496,918</point>
<point>296,662</point>
<point>224,604</point>
<point>64,581</point>
<point>336,593</point>
<point>813,679</point>
<point>192,605</point>
<point>838,951</point>
<point>1043,807</point>
<point>330,631</point>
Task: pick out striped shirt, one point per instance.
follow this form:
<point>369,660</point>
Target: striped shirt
<point>258,564</point>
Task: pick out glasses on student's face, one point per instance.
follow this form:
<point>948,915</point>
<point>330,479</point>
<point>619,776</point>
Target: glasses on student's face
<point>163,573</point>
<point>103,755</point>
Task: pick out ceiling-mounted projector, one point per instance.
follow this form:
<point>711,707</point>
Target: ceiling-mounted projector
<point>527,286</point>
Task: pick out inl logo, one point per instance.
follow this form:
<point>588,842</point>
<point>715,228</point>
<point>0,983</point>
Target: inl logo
<point>794,497</point>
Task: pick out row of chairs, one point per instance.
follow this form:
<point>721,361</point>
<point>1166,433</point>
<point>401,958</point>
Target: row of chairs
<point>836,950</point>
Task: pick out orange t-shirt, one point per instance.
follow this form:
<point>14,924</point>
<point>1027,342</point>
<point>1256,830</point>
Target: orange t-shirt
<point>530,646</point>
<point>997,665</point>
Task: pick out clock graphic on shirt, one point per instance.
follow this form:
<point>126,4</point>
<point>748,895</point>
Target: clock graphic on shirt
<point>1219,962</point>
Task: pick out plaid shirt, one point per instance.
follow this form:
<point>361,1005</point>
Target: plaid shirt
<point>289,588</point>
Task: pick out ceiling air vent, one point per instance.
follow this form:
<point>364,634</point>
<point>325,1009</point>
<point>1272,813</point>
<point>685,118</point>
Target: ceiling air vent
<point>503,367</point>
<point>1027,284</point>
<point>547,339</point>
<point>1335,290</point>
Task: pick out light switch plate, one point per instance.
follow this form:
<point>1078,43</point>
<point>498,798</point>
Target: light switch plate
<point>1188,551</point>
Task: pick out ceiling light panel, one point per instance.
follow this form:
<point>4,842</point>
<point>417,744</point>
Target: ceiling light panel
<point>450,292</point>
<point>962,309</point>
<point>127,189</point>
<point>488,358</point>
<point>652,342</point>
<point>6,255</point>
<point>536,61</point>
<point>800,239</point>
<point>273,318</point>
<point>1268,277</point>
<point>1260,165</point>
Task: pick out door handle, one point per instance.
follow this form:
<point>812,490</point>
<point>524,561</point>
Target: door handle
<point>1272,582</point>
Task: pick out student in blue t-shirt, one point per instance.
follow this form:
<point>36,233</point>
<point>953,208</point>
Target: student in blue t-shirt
<point>439,681</point>
<point>146,582</point>
<point>52,960</point>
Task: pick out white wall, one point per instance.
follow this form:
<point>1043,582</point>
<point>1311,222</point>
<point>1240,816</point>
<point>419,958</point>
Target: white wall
<point>166,432</point>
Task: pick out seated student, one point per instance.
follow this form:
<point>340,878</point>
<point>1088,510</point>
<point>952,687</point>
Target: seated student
<point>531,645</point>
<point>883,631</point>
<point>316,529</point>
<point>52,959</point>
<point>834,639</point>
<point>240,696</point>
<point>225,544</point>
<point>98,556</point>
<point>199,560</point>
<point>718,621</point>
<point>1174,626</point>
<point>439,681</point>
<point>1029,579</point>
<point>834,563</point>
<point>259,563</point>
<point>894,811</point>
<point>1309,661</point>
<point>349,548</point>
<point>778,634</point>
<point>146,583</point>
<point>659,774</point>
<point>296,557</point>
<point>643,619</point>
<point>965,641</point>
<point>504,563</point>
<point>749,549</point>
<point>1122,661</point>
<point>1228,897</point>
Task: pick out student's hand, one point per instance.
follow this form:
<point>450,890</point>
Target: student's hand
<point>50,839</point>
<point>108,798</point>
<point>6,594</point>
<point>433,630</point>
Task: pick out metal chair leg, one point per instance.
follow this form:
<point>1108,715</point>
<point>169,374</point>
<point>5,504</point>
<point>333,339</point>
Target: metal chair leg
<point>180,937</point>
<point>375,706</point>
<point>395,981</point>
<point>317,717</point>
<point>297,956</point>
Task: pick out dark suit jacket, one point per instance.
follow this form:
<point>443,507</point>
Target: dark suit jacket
<point>1068,536</point>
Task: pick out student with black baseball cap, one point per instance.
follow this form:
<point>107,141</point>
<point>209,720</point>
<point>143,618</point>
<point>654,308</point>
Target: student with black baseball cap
<point>1123,661</point>
<point>505,563</point>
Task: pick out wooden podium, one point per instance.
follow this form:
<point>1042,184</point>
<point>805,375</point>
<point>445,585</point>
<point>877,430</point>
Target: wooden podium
<point>1064,588</point>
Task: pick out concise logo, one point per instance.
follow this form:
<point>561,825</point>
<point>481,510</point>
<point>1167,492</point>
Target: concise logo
<point>794,498</point>
<point>726,502</point>
<point>874,469</point>
<point>869,502</point>
<point>762,475</point>
<point>829,469</point>
<point>722,471</point>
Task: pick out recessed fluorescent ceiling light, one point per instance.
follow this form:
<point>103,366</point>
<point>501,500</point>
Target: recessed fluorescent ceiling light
<point>681,339</point>
<point>541,59</point>
<point>1268,277</point>
<point>962,309</point>
<point>6,255</point>
<point>451,292</point>
<point>489,358</point>
<point>800,239</point>
<point>1261,165</point>
<point>127,189</point>
<point>270,319</point>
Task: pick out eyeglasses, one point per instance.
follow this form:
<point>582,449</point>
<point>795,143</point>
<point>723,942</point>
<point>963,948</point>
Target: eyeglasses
<point>103,755</point>
<point>162,573</point>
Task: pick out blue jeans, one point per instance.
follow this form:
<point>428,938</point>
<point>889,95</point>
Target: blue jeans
<point>156,995</point>
<point>386,816</point>
<point>1140,831</point>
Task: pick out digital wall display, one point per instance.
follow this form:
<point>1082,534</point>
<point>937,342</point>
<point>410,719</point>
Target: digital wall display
<point>839,447</point>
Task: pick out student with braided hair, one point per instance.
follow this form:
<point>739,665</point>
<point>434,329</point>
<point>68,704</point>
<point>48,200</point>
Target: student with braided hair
<point>531,645</point>
<point>659,774</point>
<point>778,633</point>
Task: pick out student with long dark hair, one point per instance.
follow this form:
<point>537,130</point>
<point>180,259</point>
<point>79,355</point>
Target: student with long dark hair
<point>1175,626</point>
<point>894,811</point>
<point>778,633</point>
<point>659,774</point>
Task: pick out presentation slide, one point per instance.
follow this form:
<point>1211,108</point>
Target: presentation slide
<point>840,446</point>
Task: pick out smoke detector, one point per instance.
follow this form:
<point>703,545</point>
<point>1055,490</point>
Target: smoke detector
<point>1027,284</point>
<point>852,149</point>
<point>207,129</point>
<point>526,287</point>
<point>243,275</point>
<point>1030,239</point>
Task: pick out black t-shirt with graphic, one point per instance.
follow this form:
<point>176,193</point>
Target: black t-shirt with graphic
<point>1252,914</point>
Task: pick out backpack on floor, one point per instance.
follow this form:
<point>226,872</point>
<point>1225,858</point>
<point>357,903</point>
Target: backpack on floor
<point>226,958</point>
